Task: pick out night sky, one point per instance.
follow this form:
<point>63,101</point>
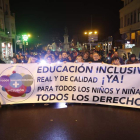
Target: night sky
<point>46,18</point>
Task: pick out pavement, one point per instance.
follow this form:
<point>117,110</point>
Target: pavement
<point>72,122</point>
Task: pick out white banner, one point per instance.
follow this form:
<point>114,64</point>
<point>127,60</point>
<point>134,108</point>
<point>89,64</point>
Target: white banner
<point>70,82</point>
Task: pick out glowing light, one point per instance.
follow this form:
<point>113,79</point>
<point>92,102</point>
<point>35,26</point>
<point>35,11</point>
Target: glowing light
<point>42,62</point>
<point>3,45</point>
<point>95,32</point>
<point>8,44</point>
<point>25,37</point>
<point>29,35</point>
<point>85,33</point>
<point>90,33</point>
<point>58,62</point>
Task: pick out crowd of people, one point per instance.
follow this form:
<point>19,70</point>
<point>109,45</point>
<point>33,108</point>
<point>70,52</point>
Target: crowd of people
<point>91,56</point>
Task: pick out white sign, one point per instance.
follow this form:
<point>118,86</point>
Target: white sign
<point>70,82</point>
<point>129,45</point>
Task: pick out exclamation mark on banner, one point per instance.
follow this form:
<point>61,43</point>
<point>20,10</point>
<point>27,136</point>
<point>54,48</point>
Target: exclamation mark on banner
<point>122,79</point>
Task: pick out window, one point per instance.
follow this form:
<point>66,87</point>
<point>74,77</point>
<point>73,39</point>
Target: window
<point>139,15</point>
<point>128,20</point>
<point>134,16</point>
<point>13,28</point>
<point>0,4</point>
<point>1,24</point>
<point>125,21</point>
<point>131,18</point>
<point>121,22</point>
<point>126,2</point>
<point>6,9</point>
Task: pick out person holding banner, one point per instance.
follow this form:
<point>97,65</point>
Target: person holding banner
<point>49,59</point>
<point>115,61</point>
<point>117,56</point>
<point>14,60</point>
<point>96,58</point>
<point>32,60</point>
<point>64,57</point>
<point>132,59</point>
<point>79,59</point>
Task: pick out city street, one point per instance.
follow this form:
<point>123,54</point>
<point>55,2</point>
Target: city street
<point>75,122</point>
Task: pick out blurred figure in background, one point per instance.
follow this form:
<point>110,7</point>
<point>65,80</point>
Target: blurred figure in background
<point>56,55</point>
<point>115,61</point>
<point>32,60</point>
<point>96,58</point>
<point>64,57</point>
<point>53,58</point>
<point>14,60</point>
<point>70,59</point>
<point>49,59</point>
<point>22,59</point>
<point>18,58</point>
<point>132,59</point>
<point>48,53</point>
<point>91,56</point>
<point>79,59</point>
<point>86,57</point>
<point>60,57</point>
<point>120,59</point>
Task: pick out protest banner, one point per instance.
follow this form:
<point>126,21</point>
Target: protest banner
<point>70,82</point>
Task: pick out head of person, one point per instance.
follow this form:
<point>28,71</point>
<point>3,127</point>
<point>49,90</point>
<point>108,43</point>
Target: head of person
<point>48,52</point>
<point>53,58</point>
<point>49,59</point>
<point>14,60</point>
<point>96,57</point>
<point>85,55</point>
<point>31,53</point>
<point>132,57</point>
<point>20,54</point>
<point>116,54</point>
<point>91,55</point>
<point>64,55</point>
<point>22,57</point>
<point>26,53</point>
<point>17,56</point>
<point>60,56</point>
<point>37,57</point>
<point>79,59</point>
<point>69,57</point>
<point>110,52</point>
<point>115,61</point>
<point>41,57</point>
<point>32,60</point>
<point>26,57</point>
<point>56,53</point>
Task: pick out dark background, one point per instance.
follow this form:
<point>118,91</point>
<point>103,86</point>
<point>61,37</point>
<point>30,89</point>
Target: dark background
<point>47,18</point>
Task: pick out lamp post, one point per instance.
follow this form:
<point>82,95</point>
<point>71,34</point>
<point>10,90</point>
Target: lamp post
<point>25,39</point>
<point>89,34</point>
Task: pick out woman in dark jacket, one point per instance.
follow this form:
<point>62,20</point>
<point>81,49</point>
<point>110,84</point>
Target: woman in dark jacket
<point>132,59</point>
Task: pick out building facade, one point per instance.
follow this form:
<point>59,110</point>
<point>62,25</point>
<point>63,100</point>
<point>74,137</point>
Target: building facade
<point>130,23</point>
<point>7,30</point>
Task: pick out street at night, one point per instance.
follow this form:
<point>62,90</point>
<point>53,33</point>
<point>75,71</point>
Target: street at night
<point>75,122</point>
<point>69,70</point>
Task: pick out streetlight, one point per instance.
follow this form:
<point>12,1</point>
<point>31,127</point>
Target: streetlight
<point>25,39</point>
<point>95,32</point>
<point>29,35</point>
<point>85,33</point>
<point>90,33</point>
